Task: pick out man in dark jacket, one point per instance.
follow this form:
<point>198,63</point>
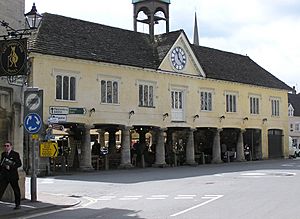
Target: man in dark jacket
<point>9,164</point>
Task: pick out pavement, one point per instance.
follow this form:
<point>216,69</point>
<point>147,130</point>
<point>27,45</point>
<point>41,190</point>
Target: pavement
<point>45,202</point>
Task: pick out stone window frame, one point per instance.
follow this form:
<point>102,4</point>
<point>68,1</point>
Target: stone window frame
<point>109,81</point>
<point>210,104</point>
<point>233,106</point>
<point>144,101</point>
<point>71,94</point>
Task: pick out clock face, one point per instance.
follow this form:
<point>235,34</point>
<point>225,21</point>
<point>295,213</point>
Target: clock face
<point>178,58</point>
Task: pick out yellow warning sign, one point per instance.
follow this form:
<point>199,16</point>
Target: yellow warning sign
<point>48,149</point>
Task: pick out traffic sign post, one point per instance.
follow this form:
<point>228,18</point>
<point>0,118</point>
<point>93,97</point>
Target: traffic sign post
<point>33,121</point>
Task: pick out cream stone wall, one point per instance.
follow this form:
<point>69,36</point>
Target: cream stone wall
<point>90,73</point>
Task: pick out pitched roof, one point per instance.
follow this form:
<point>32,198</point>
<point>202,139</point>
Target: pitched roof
<point>68,37</point>
<point>294,99</point>
<point>233,67</point>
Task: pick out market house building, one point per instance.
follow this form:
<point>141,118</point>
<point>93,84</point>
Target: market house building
<point>162,89</point>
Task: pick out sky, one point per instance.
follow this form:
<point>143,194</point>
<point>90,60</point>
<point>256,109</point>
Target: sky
<point>268,31</point>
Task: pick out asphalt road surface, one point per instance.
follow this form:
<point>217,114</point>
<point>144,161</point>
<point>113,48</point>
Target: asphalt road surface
<point>258,189</point>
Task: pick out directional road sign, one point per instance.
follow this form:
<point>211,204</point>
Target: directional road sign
<point>77,110</point>
<point>49,149</point>
<point>59,110</point>
<point>57,118</point>
<point>32,123</point>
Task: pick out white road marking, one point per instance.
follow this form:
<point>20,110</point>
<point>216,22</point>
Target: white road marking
<point>253,174</point>
<point>130,197</point>
<point>287,165</point>
<point>268,174</point>
<point>157,197</point>
<point>106,198</point>
<point>184,197</point>
<point>211,199</point>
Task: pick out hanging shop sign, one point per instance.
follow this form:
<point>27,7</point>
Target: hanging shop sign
<point>13,57</point>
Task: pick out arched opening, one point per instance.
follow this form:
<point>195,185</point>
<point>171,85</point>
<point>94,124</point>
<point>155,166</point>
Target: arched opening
<point>275,143</point>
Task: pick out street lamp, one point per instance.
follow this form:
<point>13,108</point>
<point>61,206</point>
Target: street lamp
<point>33,18</point>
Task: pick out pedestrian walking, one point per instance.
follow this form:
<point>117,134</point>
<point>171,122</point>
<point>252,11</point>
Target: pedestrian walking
<point>10,162</point>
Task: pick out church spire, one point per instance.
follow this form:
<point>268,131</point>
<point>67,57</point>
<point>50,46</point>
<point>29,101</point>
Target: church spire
<point>196,34</point>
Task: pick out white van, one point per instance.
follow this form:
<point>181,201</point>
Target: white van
<point>293,151</point>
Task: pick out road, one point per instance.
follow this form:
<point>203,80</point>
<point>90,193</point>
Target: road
<point>258,189</point>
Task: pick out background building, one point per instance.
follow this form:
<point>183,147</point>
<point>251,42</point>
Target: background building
<point>294,117</point>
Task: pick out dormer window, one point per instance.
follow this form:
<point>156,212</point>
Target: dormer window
<point>291,110</point>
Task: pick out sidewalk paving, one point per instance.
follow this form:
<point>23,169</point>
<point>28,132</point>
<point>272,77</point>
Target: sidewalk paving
<point>46,202</point>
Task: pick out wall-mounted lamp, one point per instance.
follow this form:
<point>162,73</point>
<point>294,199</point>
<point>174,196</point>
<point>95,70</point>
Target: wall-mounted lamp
<point>92,111</point>
<point>264,120</point>
<point>165,115</point>
<point>131,113</point>
<point>221,117</point>
<point>195,117</point>
<point>245,119</point>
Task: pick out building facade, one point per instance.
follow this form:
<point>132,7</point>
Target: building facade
<point>294,117</point>
<point>170,95</point>
<point>11,95</point>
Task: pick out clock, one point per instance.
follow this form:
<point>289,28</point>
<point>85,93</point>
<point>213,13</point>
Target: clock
<point>178,58</point>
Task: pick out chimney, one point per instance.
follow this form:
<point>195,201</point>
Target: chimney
<point>294,90</point>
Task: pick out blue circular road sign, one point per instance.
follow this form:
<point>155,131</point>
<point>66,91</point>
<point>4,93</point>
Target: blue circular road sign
<point>32,123</point>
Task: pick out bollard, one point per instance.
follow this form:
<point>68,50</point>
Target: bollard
<point>63,164</point>
<point>143,161</point>
<point>203,158</point>
<point>106,162</point>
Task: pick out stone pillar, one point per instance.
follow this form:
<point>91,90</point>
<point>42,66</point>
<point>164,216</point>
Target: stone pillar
<point>101,137</point>
<point>86,157</point>
<point>190,148</point>
<point>265,142</point>
<point>160,160</point>
<point>125,150</point>
<point>217,147</point>
<point>240,156</point>
<point>112,141</point>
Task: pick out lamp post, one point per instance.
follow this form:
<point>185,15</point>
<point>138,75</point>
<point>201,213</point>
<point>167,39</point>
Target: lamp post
<point>12,42</point>
<point>33,20</point>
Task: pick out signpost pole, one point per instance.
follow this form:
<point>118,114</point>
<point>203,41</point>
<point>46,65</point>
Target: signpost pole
<point>33,183</point>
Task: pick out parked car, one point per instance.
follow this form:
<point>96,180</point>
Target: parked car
<point>293,151</point>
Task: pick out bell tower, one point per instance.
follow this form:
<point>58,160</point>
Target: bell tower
<point>151,8</point>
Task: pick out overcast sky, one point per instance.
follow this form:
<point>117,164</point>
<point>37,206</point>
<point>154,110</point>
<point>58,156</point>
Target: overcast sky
<point>268,31</point>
